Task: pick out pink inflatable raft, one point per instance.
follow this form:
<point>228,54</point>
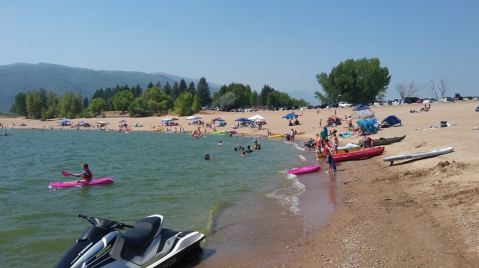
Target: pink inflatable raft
<point>303,170</point>
<point>74,183</point>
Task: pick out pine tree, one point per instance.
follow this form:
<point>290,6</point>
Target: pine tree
<point>182,87</point>
<point>203,92</point>
<point>192,89</point>
<point>167,88</point>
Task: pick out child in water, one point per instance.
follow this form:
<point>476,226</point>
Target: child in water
<point>208,157</point>
<point>86,174</point>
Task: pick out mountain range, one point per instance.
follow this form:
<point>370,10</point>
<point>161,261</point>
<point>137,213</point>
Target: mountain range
<point>24,77</point>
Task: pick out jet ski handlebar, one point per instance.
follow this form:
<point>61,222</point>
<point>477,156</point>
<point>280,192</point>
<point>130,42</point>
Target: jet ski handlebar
<point>105,223</point>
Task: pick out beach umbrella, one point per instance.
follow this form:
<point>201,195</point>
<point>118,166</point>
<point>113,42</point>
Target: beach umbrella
<point>63,122</point>
<point>101,123</point>
<point>362,112</point>
<point>23,124</point>
<point>242,119</point>
<point>122,121</point>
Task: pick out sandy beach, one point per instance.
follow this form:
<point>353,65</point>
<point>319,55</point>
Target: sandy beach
<point>415,213</point>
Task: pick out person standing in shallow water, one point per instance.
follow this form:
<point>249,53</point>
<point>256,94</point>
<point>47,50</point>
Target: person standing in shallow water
<point>291,136</point>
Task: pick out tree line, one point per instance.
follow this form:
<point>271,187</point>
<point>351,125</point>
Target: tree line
<point>179,98</point>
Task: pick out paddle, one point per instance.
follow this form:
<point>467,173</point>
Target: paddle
<point>66,174</point>
<point>334,164</point>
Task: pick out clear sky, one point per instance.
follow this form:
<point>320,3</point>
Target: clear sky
<point>283,44</point>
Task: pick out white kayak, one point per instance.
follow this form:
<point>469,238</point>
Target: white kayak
<point>419,155</point>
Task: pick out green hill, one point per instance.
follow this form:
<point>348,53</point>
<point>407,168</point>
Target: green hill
<point>23,77</point>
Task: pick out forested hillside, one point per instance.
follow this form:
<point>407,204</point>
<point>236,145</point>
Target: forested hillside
<point>21,77</point>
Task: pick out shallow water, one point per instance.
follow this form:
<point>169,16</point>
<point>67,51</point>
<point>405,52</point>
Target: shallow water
<point>153,173</point>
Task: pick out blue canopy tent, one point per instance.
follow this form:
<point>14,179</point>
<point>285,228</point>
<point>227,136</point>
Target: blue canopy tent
<point>122,121</point>
<point>391,120</point>
<point>290,116</point>
<point>367,125</point>
<point>362,112</point>
<point>168,119</point>
<point>63,122</point>
<point>242,119</point>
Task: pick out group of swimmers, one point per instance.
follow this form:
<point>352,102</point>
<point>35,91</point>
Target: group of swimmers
<point>243,150</point>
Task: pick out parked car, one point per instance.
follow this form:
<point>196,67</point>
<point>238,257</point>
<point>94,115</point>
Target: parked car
<point>410,99</point>
<point>344,104</point>
<point>429,100</point>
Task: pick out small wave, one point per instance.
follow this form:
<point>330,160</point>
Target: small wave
<point>298,147</point>
<point>302,158</point>
<point>215,208</point>
<point>288,194</point>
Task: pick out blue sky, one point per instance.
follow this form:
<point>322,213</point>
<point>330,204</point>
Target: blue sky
<point>284,44</point>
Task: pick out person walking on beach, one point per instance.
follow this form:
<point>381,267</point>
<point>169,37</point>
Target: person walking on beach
<point>349,121</point>
<point>291,136</point>
<point>86,174</point>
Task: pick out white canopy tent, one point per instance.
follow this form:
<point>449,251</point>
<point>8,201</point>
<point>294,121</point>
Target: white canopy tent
<point>257,118</point>
<point>193,118</point>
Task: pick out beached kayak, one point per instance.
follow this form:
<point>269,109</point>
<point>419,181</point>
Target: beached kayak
<point>358,154</point>
<point>344,150</point>
<point>385,141</point>
<point>419,155</point>
<point>276,136</point>
<point>303,170</point>
<point>74,183</point>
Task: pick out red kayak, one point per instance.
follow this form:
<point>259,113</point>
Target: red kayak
<point>303,170</point>
<point>358,154</point>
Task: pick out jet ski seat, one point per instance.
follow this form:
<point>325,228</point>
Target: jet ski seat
<point>138,238</point>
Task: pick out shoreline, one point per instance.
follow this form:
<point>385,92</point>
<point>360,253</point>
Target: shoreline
<point>416,212</point>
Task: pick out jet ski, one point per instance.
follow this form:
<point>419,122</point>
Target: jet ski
<point>144,244</point>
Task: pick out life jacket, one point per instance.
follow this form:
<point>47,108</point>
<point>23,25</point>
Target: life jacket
<point>89,177</point>
<point>319,141</point>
